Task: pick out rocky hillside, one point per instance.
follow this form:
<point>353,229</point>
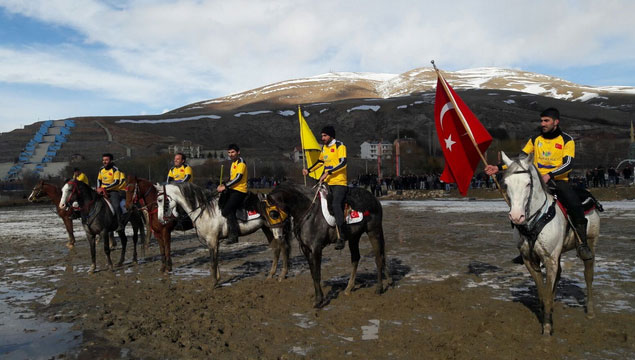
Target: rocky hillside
<point>362,107</point>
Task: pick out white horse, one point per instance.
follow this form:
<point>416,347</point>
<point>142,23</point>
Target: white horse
<point>202,207</point>
<point>530,202</point>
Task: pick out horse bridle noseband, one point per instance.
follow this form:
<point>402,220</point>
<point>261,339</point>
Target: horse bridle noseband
<point>531,191</point>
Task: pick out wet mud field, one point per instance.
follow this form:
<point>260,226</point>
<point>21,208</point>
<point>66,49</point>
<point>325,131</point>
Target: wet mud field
<point>456,295</point>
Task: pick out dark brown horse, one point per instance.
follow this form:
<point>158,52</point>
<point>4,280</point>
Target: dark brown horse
<point>141,193</point>
<point>43,189</point>
<point>314,233</point>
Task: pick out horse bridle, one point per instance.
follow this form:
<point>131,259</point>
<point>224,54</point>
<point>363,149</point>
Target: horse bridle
<point>273,214</point>
<point>166,206</point>
<point>136,199</point>
<point>531,190</point>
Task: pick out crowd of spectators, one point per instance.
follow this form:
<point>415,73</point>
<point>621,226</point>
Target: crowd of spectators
<point>603,177</point>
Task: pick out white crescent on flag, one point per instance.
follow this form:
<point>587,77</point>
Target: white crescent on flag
<point>447,107</point>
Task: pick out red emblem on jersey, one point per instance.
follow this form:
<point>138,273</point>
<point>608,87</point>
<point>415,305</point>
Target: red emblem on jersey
<point>332,150</point>
<point>110,174</point>
<point>182,170</point>
<point>234,166</point>
<point>559,146</point>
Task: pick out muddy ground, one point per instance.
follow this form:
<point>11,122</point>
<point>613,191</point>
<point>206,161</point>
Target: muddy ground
<point>455,295</point>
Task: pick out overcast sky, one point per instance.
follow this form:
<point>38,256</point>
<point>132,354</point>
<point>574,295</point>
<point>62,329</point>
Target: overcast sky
<point>64,58</point>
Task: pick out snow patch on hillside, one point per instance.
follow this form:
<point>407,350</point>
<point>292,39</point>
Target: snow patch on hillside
<point>167,121</point>
<point>365,107</point>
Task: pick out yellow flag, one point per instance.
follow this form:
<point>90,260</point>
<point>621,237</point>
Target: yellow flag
<point>310,147</point>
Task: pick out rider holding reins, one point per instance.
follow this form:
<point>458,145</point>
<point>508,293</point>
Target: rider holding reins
<point>554,151</point>
<point>236,189</point>
<point>333,158</point>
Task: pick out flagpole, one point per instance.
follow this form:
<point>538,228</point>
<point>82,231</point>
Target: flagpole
<point>302,144</point>
<point>467,128</point>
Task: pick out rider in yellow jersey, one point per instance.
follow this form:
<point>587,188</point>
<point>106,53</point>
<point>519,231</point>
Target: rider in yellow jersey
<point>554,151</point>
<point>180,172</point>
<point>333,159</point>
<point>236,189</point>
<point>79,175</point>
<point>111,182</point>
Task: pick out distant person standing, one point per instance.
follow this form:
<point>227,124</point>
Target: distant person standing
<point>181,171</point>
<point>333,159</point>
<point>236,189</point>
<point>80,176</point>
<point>627,173</point>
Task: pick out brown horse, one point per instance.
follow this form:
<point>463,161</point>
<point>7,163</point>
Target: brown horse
<point>43,189</point>
<point>140,193</point>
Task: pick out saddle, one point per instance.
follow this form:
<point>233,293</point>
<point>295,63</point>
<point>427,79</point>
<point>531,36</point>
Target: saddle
<point>589,202</point>
<point>352,216</point>
<point>246,211</point>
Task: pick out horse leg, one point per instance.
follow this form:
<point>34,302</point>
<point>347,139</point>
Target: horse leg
<point>167,249</point>
<point>213,254</point>
<point>285,247</point>
<point>135,238</point>
<point>538,280</point>
<point>68,223</point>
<point>353,247</point>
<point>315,274</point>
<point>105,237</point>
<point>376,238</point>
<point>553,274</point>
<point>93,257</point>
<point>275,249</point>
<point>588,278</point>
<point>124,242</point>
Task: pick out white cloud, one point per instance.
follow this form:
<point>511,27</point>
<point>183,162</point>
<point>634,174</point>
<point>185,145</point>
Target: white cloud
<point>155,51</point>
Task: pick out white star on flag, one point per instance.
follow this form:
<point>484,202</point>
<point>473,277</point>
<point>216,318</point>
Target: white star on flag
<point>449,142</point>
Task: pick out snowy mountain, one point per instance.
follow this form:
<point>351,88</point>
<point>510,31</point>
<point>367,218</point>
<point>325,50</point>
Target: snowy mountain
<point>348,85</point>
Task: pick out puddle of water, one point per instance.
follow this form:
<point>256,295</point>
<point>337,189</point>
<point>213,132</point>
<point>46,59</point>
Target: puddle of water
<point>24,336</point>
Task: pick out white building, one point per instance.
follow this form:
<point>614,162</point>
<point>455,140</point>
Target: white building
<point>370,149</point>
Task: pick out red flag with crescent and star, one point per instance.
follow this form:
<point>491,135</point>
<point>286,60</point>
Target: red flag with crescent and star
<point>461,156</point>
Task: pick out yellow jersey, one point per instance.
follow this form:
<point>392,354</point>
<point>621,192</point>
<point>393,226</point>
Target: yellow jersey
<point>182,173</point>
<point>111,179</point>
<point>553,153</point>
<point>333,158</point>
<point>81,177</point>
<point>238,176</point>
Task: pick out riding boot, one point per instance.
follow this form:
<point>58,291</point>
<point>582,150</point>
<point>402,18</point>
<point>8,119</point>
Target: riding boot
<point>341,238</point>
<point>234,230</point>
<point>583,248</point>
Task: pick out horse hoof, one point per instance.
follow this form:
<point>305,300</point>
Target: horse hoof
<point>70,245</point>
<point>347,291</point>
<point>91,270</point>
<point>590,315</point>
<point>120,264</point>
<point>547,330</point>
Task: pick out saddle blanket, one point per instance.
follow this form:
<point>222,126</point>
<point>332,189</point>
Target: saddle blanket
<point>353,217</point>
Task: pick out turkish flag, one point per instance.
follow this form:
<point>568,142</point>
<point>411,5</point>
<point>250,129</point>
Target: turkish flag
<point>461,157</point>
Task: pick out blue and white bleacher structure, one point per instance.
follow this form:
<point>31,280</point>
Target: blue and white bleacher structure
<point>27,155</point>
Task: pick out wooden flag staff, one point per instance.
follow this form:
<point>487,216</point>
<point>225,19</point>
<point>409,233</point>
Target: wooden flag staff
<point>467,128</point>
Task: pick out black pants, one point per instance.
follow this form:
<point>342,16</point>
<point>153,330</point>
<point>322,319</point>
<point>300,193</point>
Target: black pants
<point>115,199</point>
<point>339,195</point>
<point>569,198</point>
<point>234,201</point>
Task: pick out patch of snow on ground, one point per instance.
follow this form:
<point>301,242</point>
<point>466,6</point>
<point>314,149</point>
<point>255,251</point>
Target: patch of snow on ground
<point>510,101</point>
<point>402,107</point>
<point>586,96</point>
<point>323,110</point>
<point>286,112</point>
<point>167,121</point>
<point>252,113</point>
<point>365,107</point>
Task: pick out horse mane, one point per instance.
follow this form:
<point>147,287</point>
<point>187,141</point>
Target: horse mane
<point>195,194</point>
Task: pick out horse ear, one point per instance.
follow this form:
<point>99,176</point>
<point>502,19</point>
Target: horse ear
<point>261,196</point>
<point>506,160</point>
<point>527,160</point>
